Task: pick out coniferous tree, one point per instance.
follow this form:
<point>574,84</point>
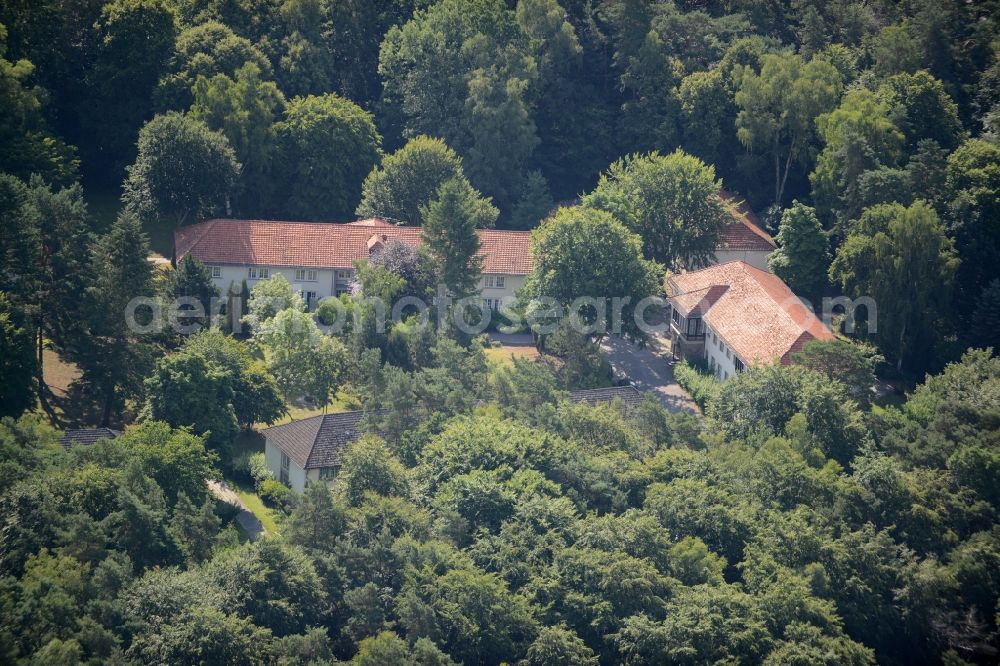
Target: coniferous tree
<point>17,359</point>
<point>192,280</point>
<point>19,241</point>
<point>450,234</point>
<point>986,317</point>
<point>113,353</point>
<point>534,203</point>
<point>65,235</point>
<point>802,257</point>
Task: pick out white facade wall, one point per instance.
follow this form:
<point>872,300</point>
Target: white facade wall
<point>495,294</point>
<point>323,286</point>
<point>296,475</point>
<point>756,258</point>
<point>715,354</point>
<point>329,282</point>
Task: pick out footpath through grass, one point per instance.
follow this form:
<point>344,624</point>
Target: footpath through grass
<point>268,517</point>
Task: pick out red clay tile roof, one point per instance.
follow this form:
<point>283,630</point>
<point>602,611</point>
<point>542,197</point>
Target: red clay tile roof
<point>325,245</point>
<point>754,312</point>
<point>745,232</point>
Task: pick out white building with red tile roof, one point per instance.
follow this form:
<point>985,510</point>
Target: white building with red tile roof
<point>744,239</point>
<point>318,258</point>
<point>735,315</point>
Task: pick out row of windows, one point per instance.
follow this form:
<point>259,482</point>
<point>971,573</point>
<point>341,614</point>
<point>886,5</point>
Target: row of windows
<point>304,275</point>
<point>263,272</point>
<point>717,370</point>
<point>721,345</point>
<point>494,281</point>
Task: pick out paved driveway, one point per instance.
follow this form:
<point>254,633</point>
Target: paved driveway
<point>650,370</point>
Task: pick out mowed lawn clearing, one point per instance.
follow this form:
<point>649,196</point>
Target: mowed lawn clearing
<point>504,355</point>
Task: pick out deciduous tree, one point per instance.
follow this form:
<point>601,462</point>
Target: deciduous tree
<point>409,179</point>
<point>909,270</point>
<point>244,108</point>
<point>778,107</point>
<point>186,390</point>
<point>581,252</point>
<point>184,170</point>
<point>671,201</point>
<point>327,145</point>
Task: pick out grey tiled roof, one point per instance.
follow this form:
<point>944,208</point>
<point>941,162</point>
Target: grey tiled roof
<point>87,436</point>
<point>318,441</point>
<point>629,395</point>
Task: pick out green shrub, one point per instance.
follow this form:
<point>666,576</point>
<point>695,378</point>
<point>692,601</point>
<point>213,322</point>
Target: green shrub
<point>698,382</point>
<point>330,309</point>
<point>258,469</point>
<point>275,494</point>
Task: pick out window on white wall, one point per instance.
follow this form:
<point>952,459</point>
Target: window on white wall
<point>500,281</point>
<point>283,475</point>
<point>305,275</point>
<point>488,280</point>
<point>258,272</point>
<point>216,271</point>
<point>327,473</point>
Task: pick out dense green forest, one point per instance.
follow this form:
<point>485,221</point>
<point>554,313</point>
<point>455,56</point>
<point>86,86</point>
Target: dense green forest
<point>483,517</point>
<point>793,528</point>
<point>866,128</point>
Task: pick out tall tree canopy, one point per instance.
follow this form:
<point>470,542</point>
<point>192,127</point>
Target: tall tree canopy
<point>672,202</point>
<point>184,171</point>
<point>327,145</point>
<point>908,267</point>
<point>409,179</point>
<point>778,107</point>
<point>581,252</point>
<point>463,71</point>
<point>113,351</point>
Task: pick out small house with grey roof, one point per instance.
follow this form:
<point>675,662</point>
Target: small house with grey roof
<point>312,449</point>
<point>86,436</point>
<point>629,396</point>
